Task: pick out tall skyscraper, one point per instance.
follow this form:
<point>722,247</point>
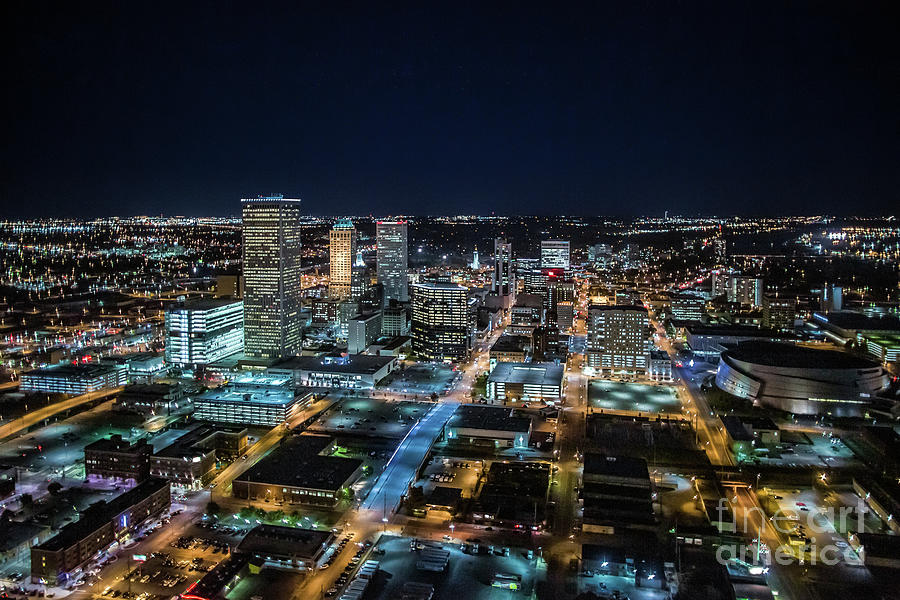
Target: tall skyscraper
<point>342,242</point>
<point>617,338</point>
<point>440,321</point>
<point>392,251</point>
<point>555,254</point>
<point>504,282</point>
<point>271,249</point>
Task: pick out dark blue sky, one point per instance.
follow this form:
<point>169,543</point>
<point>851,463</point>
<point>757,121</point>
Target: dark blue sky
<point>598,108</point>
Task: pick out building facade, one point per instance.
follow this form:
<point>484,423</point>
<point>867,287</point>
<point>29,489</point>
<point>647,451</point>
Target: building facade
<point>97,528</point>
<point>74,379</point>
<point>779,314</point>
<point>555,254</point>
<point>118,460</point>
<point>342,245</point>
<point>504,281</point>
<point>393,258</point>
<point>271,263</point>
<point>617,338</point>
<point>202,331</point>
<point>440,321</point>
<point>363,330</point>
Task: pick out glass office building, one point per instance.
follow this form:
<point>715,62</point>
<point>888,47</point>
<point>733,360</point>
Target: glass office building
<point>272,294</point>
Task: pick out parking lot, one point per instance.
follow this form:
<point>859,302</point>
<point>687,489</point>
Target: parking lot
<point>460,473</point>
<point>371,417</point>
<point>802,449</point>
<point>169,572</point>
<point>634,397</point>
<point>420,380</point>
<point>467,575</point>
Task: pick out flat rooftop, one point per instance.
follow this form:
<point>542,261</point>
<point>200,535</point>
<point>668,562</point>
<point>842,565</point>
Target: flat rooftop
<point>527,373</point>
<point>297,463</point>
<point>735,331</point>
<point>774,354</point>
<point>97,515</point>
<point>511,343</point>
<point>74,371</point>
<point>115,443</point>
<point>848,319</point>
<point>488,417</point>
<point>186,445</point>
<point>615,466</point>
<point>204,303</point>
<point>354,363</point>
<point>274,539</point>
<point>247,394</point>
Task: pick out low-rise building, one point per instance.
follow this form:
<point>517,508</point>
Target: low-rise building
<point>98,527</point>
<point>74,379</point>
<point>142,366</point>
<point>190,461</point>
<point>119,460</point>
<point>149,399</point>
<point>616,492</point>
<point>354,371</point>
<point>522,382</point>
<point>297,473</point>
<point>286,547</point>
<point>488,426</point>
<point>660,366</point>
<point>509,348</point>
<point>264,403</point>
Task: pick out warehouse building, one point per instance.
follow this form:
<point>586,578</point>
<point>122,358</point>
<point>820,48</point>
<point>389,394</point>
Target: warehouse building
<point>484,425</point>
<point>286,547</point>
<point>298,473</point>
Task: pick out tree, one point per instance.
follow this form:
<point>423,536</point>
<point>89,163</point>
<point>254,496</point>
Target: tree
<point>54,488</point>
<point>213,509</point>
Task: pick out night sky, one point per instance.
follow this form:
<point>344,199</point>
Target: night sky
<point>622,108</point>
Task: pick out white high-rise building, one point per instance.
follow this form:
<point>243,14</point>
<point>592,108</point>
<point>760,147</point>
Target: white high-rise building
<point>555,254</point>
<point>272,295</point>
<point>342,245</point>
<point>204,330</point>
<point>617,338</point>
<point>393,258</point>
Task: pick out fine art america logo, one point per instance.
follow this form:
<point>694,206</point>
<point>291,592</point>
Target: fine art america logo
<point>786,537</point>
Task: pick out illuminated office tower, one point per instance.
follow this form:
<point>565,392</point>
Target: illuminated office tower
<point>271,249</point>
<point>342,241</point>
<point>392,260</point>
<point>504,282</point>
<point>440,321</point>
<point>555,254</point>
<point>201,331</point>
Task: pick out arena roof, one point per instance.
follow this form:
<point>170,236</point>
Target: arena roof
<point>774,354</point>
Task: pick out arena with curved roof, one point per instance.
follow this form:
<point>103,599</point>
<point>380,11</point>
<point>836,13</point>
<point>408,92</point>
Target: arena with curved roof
<point>799,379</point>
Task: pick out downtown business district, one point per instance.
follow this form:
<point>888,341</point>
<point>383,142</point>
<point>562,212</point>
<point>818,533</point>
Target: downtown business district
<point>621,415</point>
